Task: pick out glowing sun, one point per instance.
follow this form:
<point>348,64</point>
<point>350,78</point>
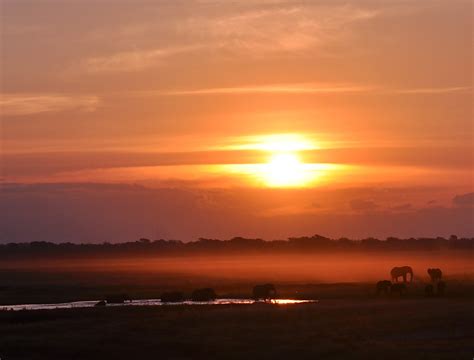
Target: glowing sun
<point>283,166</point>
<point>284,170</point>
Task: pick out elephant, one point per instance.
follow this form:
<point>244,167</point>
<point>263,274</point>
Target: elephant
<point>401,271</point>
<point>118,298</point>
<point>440,288</point>
<point>206,294</point>
<point>429,290</point>
<point>399,288</point>
<point>172,296</point>
<point>264,292</point>
<point>435,274</point>
<point>383,286</point>
<point>101,303</point>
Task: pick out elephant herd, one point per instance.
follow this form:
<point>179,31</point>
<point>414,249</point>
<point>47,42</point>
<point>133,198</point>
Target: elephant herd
<point>266,292</point>
<point>435,288</point>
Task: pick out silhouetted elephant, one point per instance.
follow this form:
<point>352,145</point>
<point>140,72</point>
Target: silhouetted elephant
<point>435,274</point>
<point>401,272</point>
<point>429,290</point>
<point>172,296</point>
<point>440,288</point>
<point>399,288</point>
<point>383,286</point>
<point>117,298</point>
<point>264,292</point>
<point>101,303</point>
<point>206,294</point>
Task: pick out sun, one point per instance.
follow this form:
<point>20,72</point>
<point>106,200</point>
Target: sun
<point>282,163</point>
<point>285,170</point>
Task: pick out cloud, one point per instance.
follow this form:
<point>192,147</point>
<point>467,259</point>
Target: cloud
<point>132,60</point>
<point>288,28</point>
<point>465,200</point>
<point>403,207</point>
<point>363,205</point>
<point>300,88</point>
<point>248,32</point>
<point>62,187</point>
<point>129,212</point>
<point>432,90</point>
<point>307,88</point>
<point>30,104</point>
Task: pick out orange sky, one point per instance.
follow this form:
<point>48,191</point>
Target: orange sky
<point>187,100</point>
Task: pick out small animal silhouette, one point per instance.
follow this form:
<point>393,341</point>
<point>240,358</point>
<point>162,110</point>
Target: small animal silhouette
<point>383,286</point>
<point>440,288</point>
<point>435,274</point>
<point>172,296</point>
<point>401,272</point>
<point>264,292</point>
<point>399,288</point>
<point>206,294</point>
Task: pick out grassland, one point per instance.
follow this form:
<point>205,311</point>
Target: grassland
<point>349,322</point>
<point>331,329</point>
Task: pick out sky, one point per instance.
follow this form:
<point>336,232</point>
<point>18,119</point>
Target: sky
<point>269,119</point>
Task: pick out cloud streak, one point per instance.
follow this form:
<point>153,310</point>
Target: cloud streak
<point>305,88</point>
<point>312,88</point>
<point>254,33</point>
<point>290,28</point>
<point>31,104</point>
<point>433,90</point>
<point>135,60</point>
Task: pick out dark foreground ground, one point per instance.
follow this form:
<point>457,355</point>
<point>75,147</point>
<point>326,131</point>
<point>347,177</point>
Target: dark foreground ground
<point>349,322</point>
<point>330,329</point>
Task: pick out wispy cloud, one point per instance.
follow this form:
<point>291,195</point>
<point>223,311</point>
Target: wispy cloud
<point>245,32</point>
<point>310,88</point>
<point>292,28</point>
<point>29,104</point>
<point>304,88</point>
<point>132,60</point>
<point>433,90</point>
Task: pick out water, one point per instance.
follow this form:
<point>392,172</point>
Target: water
<point>145,302</point>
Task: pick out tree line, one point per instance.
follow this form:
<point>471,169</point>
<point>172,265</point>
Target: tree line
<point>237,244</point>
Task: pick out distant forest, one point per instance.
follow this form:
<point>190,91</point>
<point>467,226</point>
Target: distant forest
<point>145,247</point>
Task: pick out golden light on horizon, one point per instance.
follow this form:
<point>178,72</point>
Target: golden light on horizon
<point>288,142</point>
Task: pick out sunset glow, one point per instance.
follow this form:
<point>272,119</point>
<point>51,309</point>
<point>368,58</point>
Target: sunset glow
<point>276,143</point>
<point>220,118</point>
<point>240,179</point>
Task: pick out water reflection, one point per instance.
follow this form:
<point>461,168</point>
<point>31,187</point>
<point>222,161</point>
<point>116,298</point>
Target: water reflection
<point>146,302</point>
